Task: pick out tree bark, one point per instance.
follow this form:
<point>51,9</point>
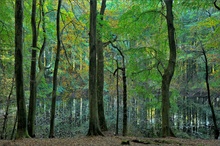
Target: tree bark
<point>14,126</point>
<point>21,105</point>
<point>169,71</point>
<point>94,127</point>
<point>33,86</point>
<point>117,113</point>
<point>4,127</point>
<point>125,115</point>
<point>125,110</point>
<point>100,73</point>
<point>216,131</point>
<point>54,96</point>
<point>42,63</point>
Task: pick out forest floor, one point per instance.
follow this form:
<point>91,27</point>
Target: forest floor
<point>110,140</point>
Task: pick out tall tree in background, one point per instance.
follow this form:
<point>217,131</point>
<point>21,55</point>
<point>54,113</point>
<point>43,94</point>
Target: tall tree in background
<point>100,71</point>
<point>216,131</point>
<point>33,87</point>
<point>94,127</point>
<point>53,105</point>
<point>125,108</point>
<point>117,90</point>
<point>21,106</point>
<point>169,71</point>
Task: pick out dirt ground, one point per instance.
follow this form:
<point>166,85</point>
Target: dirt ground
<point>110,141</point>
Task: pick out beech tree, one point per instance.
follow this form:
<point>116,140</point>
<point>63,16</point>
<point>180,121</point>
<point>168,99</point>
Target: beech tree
<point>169,71</point>
<point>33,86</point>
<point>94,127</point>
<point>54,95</point>
<point>125,108</point>
<point>216,130</point>
<point>100,71</point>
<point>19,80</point>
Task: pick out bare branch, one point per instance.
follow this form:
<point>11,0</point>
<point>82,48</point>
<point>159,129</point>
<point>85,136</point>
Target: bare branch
<point>217,7</point>
<point>116,47</point>
<point>117,70</point>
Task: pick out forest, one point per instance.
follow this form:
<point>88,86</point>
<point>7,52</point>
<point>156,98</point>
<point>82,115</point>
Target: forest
<point>142,68</point>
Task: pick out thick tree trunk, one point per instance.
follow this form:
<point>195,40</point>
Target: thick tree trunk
<point>21,105</point>
<point>53,105</point>
<point>33,86</point>
<point>100,86</point>
<point>169,71</point>
<point>94,127</point>
<point>100,73</point>
<point>216,131</point>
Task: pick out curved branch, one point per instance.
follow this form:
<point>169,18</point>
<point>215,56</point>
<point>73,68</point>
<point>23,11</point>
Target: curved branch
<point>216,6</point>
<point>116,47</point>
<point>159,68</point>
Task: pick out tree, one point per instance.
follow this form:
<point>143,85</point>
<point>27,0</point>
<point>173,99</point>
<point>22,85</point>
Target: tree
<point>94,127</point>
<point>216,131</point>
<point>33,87</point>
<point>21,105</point>
<point>53,105</point>
<point>3,134</point>
<point>117,111</point>
<point>100,72</point>
<point>125,109</point>
<point>169,71</point>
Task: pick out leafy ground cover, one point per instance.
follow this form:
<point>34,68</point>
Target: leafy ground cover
<point>110,141</point>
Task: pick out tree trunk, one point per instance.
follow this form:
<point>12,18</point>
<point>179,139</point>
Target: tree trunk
<point>33,86</point>
<point>4,127</point>
<point>94,127</point>
<point>100,86</point>
<point>216,131</point>
<point>117,112</point>
<point>169,71</point>
<point>14,126</point>
<point>125,115</point>
<point>53,105</point>
<point>42,61</point>
<point>21,105</point>
<point>100,73</point>
<point>125,110</point>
